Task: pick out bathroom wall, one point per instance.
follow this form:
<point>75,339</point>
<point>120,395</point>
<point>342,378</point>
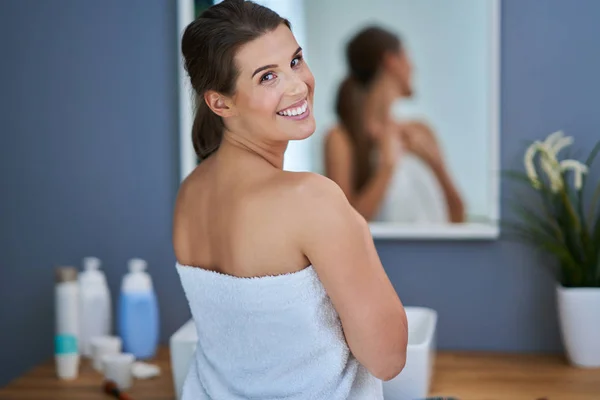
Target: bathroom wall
<point>88,156</point>
<point>88,166</point>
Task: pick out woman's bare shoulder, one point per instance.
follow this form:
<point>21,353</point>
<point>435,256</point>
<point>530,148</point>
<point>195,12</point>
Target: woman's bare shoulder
<point>292,194</point>
<point>189,195</point>
<point>191,186</point>
<point>315,199</point>
<point>310,185</point>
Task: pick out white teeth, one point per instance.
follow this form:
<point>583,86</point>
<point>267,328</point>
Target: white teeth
<point>295,111</point>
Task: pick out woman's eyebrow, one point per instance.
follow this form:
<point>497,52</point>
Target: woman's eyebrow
<point>257,70</point>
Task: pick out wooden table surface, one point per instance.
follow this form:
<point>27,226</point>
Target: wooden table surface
<point>464,375</point>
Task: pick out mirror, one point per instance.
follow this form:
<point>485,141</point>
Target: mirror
<point>444,182</point>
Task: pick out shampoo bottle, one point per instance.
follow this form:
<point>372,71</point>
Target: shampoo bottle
<point>66,305</point>
<point>138,312</point>
<point>95,304</point>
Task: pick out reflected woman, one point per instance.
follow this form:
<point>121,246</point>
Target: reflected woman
<point>390,171</point>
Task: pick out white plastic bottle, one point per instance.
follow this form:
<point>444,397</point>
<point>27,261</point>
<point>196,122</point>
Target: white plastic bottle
<point>66,346</point>
<point>95,304</point>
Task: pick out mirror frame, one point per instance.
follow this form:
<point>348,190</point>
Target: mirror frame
<point>488,230</point>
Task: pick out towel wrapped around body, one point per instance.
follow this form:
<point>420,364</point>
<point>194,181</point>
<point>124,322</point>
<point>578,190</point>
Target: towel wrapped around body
<point>268,338</point>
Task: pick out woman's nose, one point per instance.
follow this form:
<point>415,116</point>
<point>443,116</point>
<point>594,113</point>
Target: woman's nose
<point>297,86</point>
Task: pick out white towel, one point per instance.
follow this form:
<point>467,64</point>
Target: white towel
<point>414,196</point>
<point>274,337</point>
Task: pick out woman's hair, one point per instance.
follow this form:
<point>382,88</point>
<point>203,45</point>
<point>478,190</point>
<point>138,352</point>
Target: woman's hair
<point>365,53</point>
<point>209,45</point>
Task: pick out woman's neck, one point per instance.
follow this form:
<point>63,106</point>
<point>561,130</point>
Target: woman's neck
<point>234,145</point>
<point>378,101</point>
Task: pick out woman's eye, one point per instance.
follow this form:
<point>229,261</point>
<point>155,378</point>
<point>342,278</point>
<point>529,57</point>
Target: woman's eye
<point>267,77</point>
<point>296,61</point>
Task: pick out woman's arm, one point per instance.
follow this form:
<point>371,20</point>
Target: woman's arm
<point>339,168</point>
<point>454,202</point>
<point>338,243</point>
<point>421,140</point>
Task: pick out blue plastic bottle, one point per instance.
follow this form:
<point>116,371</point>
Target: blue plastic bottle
<point>138,312</point>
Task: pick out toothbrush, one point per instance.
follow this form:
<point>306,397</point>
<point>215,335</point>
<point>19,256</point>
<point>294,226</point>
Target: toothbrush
<point>111,388</point>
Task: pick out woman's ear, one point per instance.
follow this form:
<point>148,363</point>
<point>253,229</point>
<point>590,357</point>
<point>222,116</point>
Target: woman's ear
<point>391,60</point>
<point>219,104</point>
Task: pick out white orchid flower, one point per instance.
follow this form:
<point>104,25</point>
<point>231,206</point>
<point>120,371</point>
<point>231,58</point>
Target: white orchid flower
<point>529,167</point>
<point>552,169</point>
<point>578,169</point>
<point>549,163</point>
<point>561,144</point>
<point>557,141</point>
<point>553,138</point>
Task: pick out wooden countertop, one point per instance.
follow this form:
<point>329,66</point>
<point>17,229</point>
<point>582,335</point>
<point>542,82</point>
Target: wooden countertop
<point>464,375</point>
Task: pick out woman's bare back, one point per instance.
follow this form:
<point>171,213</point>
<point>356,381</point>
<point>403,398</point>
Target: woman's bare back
<point>236,216</point>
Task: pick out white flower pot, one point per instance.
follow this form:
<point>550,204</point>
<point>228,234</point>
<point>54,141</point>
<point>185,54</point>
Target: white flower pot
<point>579,317</point>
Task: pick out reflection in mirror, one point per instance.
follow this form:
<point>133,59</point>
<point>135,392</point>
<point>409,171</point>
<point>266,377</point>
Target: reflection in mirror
<point>405,108</point>
<point>406,105</point>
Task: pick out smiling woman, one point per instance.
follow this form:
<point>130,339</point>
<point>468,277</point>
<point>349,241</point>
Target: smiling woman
<point>251,101</point>
<point>278,260</point>
<point>299,154</point>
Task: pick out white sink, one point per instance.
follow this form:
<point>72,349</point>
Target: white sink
<point>412,383</point>
<point>182,345</point>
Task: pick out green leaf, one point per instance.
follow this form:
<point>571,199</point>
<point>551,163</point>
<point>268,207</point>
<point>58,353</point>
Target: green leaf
<point>568,202</point>
<point>523,233</point>
<point>593,205</point>
<point>589,162</point>
<point>591,226</point>
<point>537,223</point>
<point>579,239</point>
<point>517,175</point>
<point>596,232</point>
<point>546,194</point>
<point>597,275</point>
<point>562,253</point>
<point>593,155</point>
<point>571,271</point>
<point>572,235</point>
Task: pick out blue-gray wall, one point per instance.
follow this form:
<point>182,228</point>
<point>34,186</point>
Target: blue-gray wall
<point>88,156</point>
<point>88,166</point>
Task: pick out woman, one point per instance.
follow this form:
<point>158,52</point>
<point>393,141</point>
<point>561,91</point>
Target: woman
<point>287,292</point>
<point>389,171</point>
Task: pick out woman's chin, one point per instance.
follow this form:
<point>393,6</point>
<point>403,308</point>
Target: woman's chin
<point>304,130</point>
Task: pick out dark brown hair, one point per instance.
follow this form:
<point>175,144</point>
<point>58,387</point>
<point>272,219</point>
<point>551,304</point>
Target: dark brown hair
<point>364,55</point>
<point>209,46</point>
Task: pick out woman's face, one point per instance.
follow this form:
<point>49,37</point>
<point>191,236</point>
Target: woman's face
<point>401,69</point>
<point>275,89</point>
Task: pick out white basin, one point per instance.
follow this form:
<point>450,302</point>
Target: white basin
<point>412,383</point>
<point>182,345</point>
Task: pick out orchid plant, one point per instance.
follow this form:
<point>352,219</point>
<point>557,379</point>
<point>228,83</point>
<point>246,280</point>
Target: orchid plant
<point>562,224</point>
